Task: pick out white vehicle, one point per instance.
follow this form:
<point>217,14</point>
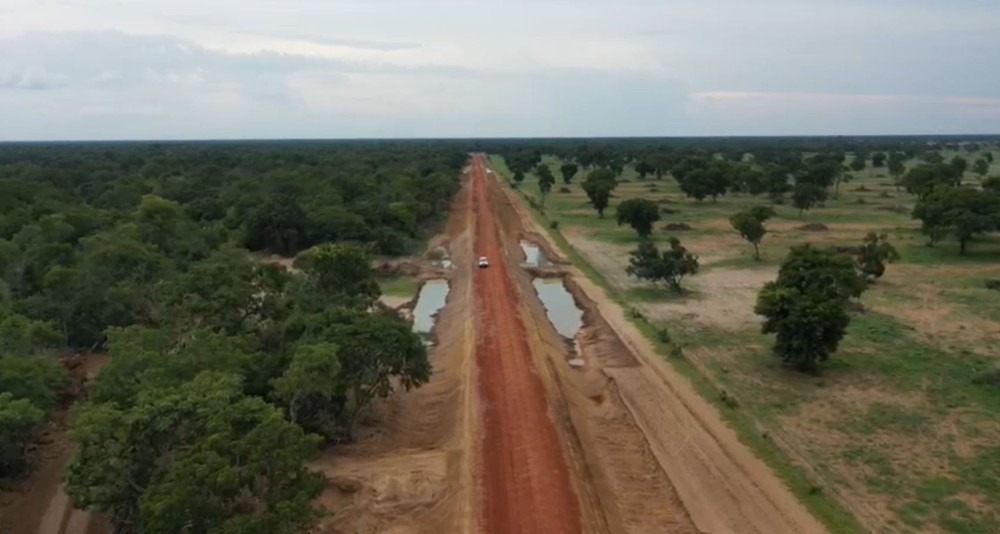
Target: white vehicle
<point>489,171</point>
<point>483,262</point>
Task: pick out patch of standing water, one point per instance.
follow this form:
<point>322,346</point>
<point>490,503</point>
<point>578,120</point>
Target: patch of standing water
<point>431,299</point>
<point>559,306</point>
<point>534,255</point>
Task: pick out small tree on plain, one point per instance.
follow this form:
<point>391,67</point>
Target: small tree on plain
<point>749,224</point>
<point>640,214</point>
<point>875,253</point>
<point>670,266</point>
<point>568,171</point>
<point>981,167</point>
<point>806,307</point>
<point>545,180</point>
<point>858,163</point>
<point>598,185</point>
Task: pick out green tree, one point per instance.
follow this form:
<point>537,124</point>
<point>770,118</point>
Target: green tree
<point>640,214</point>
<point>858,164</point>
<point>992,184</point>
<point>806,306</point>
<point>144,358</point>
<point>749,223</point>
<point>310,388</point>
<point>670,266</point>
<point>201,457</point>
<point>875,253</point>
<point>820,271</point>
<point>598,185</point>
<point>923,179</point>
<point>40,380</point>
<point>545,180</point>
<point>277,225</point>
<point>960,211</point>
<point>19,419</point>
<point>878,160</point>
<point>568,171</point>
<point>981,167</point>
<point>340,273</point>
<point>518,177</point>
<point>897,166</point>
<point>806,195</point>
<point>377,352</point>
<point>808,327</point>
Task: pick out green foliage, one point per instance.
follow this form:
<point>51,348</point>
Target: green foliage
<point>749,223</point>
<point>310,388</point>
<point>878,160</point>
<point>670,266</point>
<point>992,184</point>
<point>185,458</point>
<point>36,379</point>
<point>19,419</point>
<point>958,211</point>
<point>806,306</point>
<point>341,273</point>
<point>703,177</point>
<point>545,180</point>
<point>568,171</point>
<point>822,272</point>
<point>807,195</point>
<point>640,214</point>
<point>981,167</point>
<point>925,179</point>
<point>858,164</point>
<point>598,185</point>
<point>875,253</point>
<point>144,358</point>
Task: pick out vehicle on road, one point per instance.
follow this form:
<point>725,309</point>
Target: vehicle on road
<point>483,262</point>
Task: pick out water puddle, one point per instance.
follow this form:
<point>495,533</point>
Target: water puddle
<point>559,306</point>
<point>534,255</point>
<point>431,299</point>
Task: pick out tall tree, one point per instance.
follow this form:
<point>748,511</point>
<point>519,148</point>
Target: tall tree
<point>640,214</point>
<point>598,185</point>
<point>340,272</point>
<point>568,171</point>
<point>545,180</point>
<point>749,223</point>
<point>200,457</point>
<point>960,211</point>
<point>875,253</point>
<point>806,306</point>
<point>981,167</point>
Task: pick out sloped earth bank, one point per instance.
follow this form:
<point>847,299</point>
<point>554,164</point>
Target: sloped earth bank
<point>647,454</point>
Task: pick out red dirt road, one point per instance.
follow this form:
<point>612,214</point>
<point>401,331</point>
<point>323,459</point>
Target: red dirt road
<point>524,478</point>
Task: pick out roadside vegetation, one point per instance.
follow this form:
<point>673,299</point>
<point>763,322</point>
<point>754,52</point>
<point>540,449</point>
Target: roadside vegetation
<point>226,375</point>
<point>871,266</point>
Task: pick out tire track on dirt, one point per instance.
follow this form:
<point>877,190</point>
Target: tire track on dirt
<point>523,474</point>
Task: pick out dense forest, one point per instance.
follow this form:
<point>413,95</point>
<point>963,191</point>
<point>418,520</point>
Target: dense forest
<point>225,374</point>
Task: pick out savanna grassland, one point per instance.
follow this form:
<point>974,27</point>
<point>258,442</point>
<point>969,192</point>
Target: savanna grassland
<point>899,433</point>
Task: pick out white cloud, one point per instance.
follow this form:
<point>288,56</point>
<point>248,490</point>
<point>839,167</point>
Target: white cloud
<point>292,68</point>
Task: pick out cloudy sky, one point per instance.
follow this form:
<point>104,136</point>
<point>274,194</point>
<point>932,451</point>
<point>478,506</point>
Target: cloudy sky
<point>183,69</point>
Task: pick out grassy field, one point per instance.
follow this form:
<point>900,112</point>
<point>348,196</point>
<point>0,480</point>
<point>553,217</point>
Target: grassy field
<point>399,286</point>
<point>900,429</point>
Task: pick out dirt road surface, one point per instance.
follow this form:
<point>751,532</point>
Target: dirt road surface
<point>524,475</point>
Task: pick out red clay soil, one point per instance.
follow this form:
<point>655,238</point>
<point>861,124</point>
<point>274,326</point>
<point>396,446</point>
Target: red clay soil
<point>525,481</point>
